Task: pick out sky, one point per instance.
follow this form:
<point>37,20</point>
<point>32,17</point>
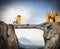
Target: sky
<point>31,11</point>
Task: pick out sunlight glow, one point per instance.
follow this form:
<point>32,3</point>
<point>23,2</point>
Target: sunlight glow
<point>10,13</point>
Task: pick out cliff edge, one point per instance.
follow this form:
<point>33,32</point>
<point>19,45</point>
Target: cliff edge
<point>52,35</point>
<point>8,39</point>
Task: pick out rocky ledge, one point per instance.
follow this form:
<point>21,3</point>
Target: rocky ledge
<point>8,39</point>
<point>52,35</point>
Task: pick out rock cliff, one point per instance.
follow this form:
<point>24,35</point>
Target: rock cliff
<point>8,39</point>
<point>52,35</point>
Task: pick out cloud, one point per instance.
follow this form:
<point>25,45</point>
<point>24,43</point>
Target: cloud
<point>9,13</point>
<point>31,34</point>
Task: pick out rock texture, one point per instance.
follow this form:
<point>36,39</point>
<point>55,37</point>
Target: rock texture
<point>8,39</point>
<point>52,36</point>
